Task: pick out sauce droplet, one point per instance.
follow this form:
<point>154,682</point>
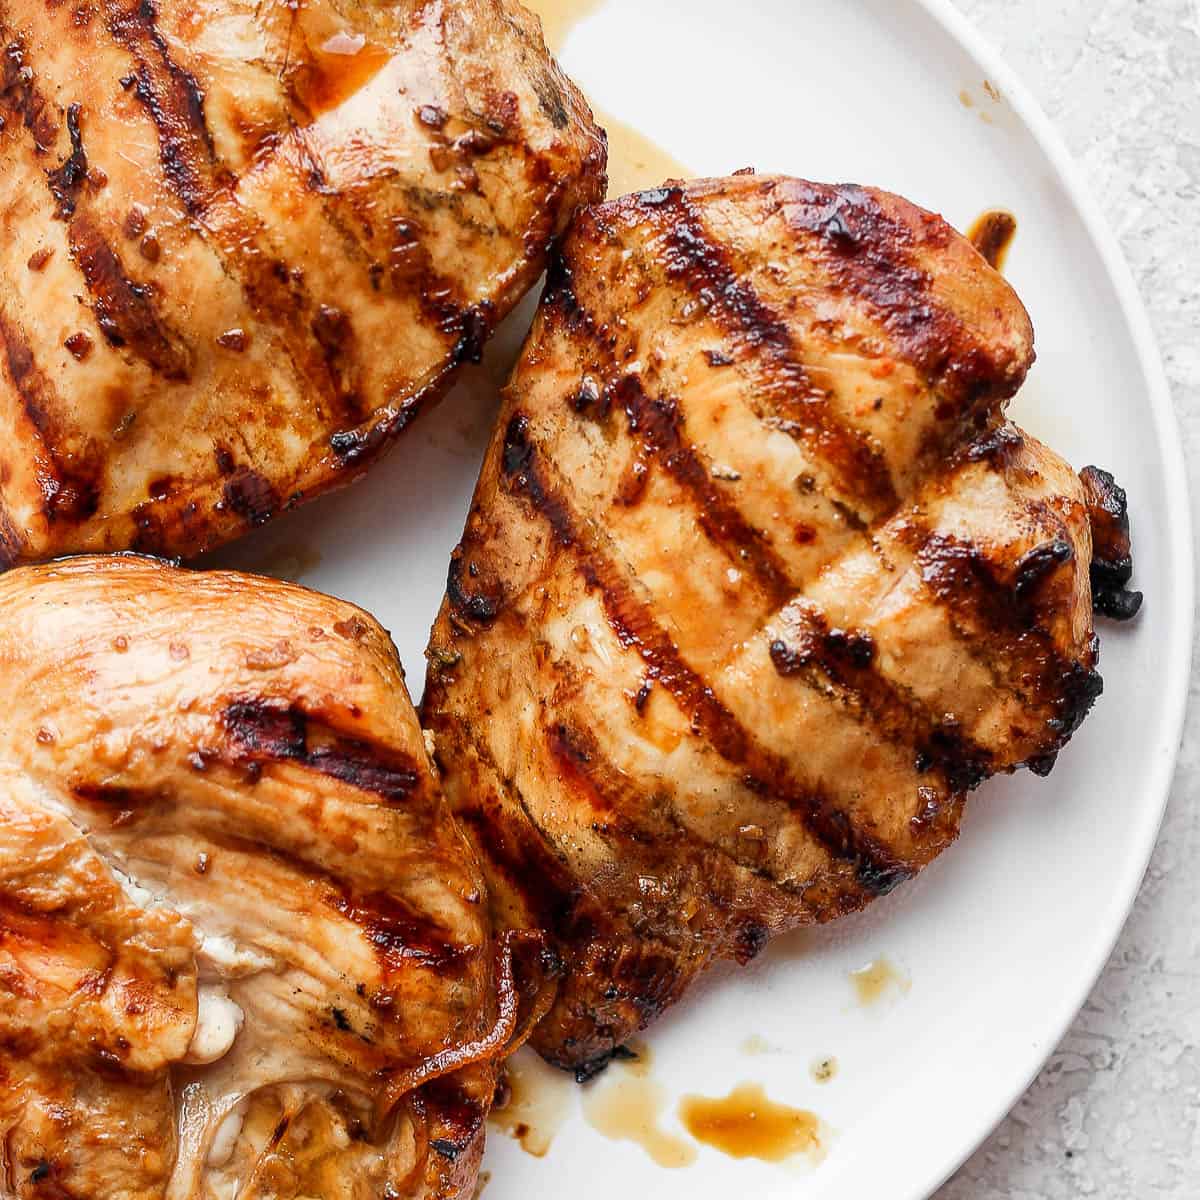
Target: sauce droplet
<point>747,1124</point>
<point>756,1044</point>
<point>824,1069</point>
<point>992,235</point>
<point>877,980</point>
<point>335,69</point>
<point>538,1100</point>
<point>635,161</point>
<point>626,1105</point>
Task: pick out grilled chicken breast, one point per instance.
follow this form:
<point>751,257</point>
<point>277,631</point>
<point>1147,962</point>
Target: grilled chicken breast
<point>245,244</point>
<point>243,947</point>
<point>757,585</point>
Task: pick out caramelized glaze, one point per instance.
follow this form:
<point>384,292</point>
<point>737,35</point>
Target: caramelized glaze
<point>335,70</point>
<point>747,1124</point>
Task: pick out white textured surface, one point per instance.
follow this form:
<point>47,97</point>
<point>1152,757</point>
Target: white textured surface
<point>1116,1112</point>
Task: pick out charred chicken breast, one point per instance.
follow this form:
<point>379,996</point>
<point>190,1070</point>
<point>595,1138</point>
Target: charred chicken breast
<point>757,585</point>
<point>244,950</point>
<point>244,244</point>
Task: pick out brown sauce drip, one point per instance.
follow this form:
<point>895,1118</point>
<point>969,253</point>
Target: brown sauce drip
<point>626,1105</point>
<point>747,1124</point>
<point>992,235</point>
<point>536,1104</point>
<point>635,162</point>
<point>337,66</point>
<point>878,980</point>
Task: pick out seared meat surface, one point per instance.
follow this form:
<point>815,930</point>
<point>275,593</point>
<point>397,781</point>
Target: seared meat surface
<point>244,244</point>
<point>757,585</point>
<point>244,950</point>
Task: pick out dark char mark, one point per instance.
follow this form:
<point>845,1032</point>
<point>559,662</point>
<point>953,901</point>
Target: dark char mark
<point>876,870</point>
<point>175,102</point>
<point>66,180</point>
<point>272,731</point>
<point>456,1115</point>
<point>251,495</point>
<point>820,656</point>
<point>965,583</point>
<point>400,937</point>
<point>172,97</point>
<point>870,256</point>
<point>1112,549</point>
<point>585,1072</point>
<point>476,596</point>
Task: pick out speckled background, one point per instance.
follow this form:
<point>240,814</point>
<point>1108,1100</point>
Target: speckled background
<point>1116,1112</point>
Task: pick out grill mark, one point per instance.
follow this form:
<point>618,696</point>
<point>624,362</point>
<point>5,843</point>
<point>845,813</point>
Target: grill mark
<point>409,269</point>
<point>869,256</point>
<point>20,99</point>
<point>400,937</point>
<point>514,849</point>
<point>847,659</point>
<point>560,303</point>
<point>875,867</point>
<point>125,310</point>
<point>173,98</point>
<point>657,424</point>
<point>580,757</point>
<point>962,580</point>
<point>529,869</point>
<point>273,731</point>
<point>354,449</point>
<point>699,264</point>
<point>69,480</point>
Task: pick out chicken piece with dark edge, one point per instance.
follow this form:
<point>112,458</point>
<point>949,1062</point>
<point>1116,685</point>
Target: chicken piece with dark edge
<point>244,948</point>
<point>245,244</point>
<point>757,585</point>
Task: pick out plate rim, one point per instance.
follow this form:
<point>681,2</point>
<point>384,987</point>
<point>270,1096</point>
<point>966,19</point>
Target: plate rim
<point>1179,606</point>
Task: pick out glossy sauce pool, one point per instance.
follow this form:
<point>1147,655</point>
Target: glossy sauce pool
<point>748,1124</point>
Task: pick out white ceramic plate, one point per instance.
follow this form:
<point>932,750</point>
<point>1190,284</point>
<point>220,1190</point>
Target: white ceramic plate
<point>1005,935</point>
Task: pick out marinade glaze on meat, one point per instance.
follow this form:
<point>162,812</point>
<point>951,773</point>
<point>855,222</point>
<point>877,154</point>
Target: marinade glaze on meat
<point>757,585</point>
<point>245,244</point>
<point>244,948</point>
